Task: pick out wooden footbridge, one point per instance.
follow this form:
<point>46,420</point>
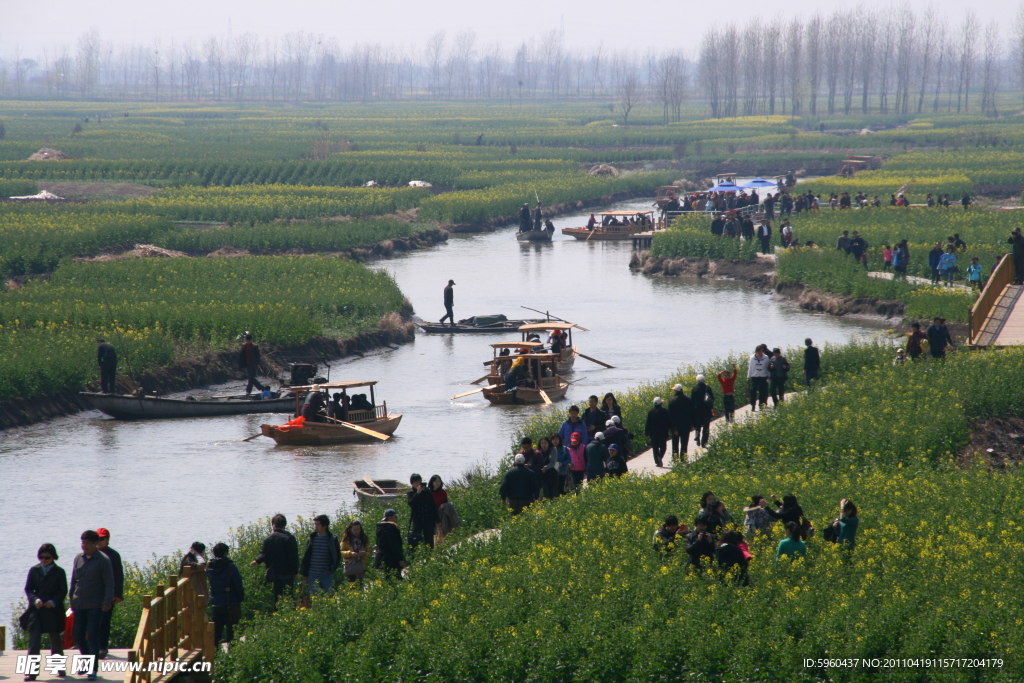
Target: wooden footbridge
<point>173,630</point>
<point>997,317</point>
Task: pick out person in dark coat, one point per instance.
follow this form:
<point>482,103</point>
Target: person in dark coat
<point>616,465</point>
<point>1017,240</point>
<point>106,356</point>
<point>196,559</point>
<point>538,219</point>
<point>812,362</point>
<point>933,261</point>
<point>423,510</point>
<point>524,219</point>
<point>700,543</point>
<point>778,372</point>
<point>103,545</point>
<point>657,428</point>
<point>519,487</point>
<point>280,553</point>
<point>938,338</point>
<point>314,406</point>
<point>227,592</point>
<point>45,587</point>
<point>92,594</point>
<point>389,555</point>
<point>764,233</point>
<point>731,558</point>
<point>322,556</point>
<point>594,417</point>
<point>596,455</point>
<point>788,510</point>
<point>249,360</point>
<point>703,400</point>
<point>680,410</point>
<point>449,303</point>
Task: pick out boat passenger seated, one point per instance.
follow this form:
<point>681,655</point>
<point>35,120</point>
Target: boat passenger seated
<point>556,342</point>
<point>592,222</point>
<point>338,408</point>
<point>313,407</point>
<point>359,402</point>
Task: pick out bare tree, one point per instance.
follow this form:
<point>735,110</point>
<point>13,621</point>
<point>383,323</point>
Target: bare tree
<point>752,51</point>
<point>772,62</point>
<point>989,70</point>
<point>814,59</point>
<point>867,38</point>
<point>1017,46</point>
<point>709,69</point>
<point>968,48</point>
<point>884,57</point>
<point>794,71</point>
<point>435,53</point>
<point>628,89</point>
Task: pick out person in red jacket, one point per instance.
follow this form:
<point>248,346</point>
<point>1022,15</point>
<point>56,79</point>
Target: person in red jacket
<point>728,383</point>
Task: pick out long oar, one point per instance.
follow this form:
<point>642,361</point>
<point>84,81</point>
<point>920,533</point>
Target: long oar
<point>250,438</point>
<point>594,360</point>
<point>372,483</point>
<point>467,393</point>
<point>552,317</point>
<point>544,395</point>
<point>364,430</point>
<point>477,381</point>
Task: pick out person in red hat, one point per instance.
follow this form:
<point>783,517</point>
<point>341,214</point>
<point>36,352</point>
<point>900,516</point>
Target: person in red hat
<point>103,545</point>
<point>577,459</point>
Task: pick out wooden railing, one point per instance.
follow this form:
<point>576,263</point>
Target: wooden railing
<point>173,626</point>
<point>1004,274</point>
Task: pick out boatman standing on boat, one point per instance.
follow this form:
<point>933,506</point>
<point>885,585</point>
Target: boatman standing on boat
<point>106,356</point>
<point>314,407</point>
<point>249,360</point>
<point>524,218</point>
<point>449,301</point>
<point>538,218</point>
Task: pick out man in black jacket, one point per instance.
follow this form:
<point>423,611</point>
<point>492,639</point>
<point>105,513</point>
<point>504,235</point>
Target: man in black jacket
<point>449,302</point>
<point>764,233</point>
<point>280,553</point>
<point>92,594</point>
<point>103,545</point>
<point>520,486</point>
<point>249,360</point>
<point>778,373</point>
<point>322,556</point>
<point>680,409</point>
<point>106,356</point>
<point>424,512</point>
<point>46,586</point>
<point>657,428</point>
<point>389,555</point>
<point>700,543</point>
<point>1017,240</point>
<point>703,408</point>
<point>812,361</point>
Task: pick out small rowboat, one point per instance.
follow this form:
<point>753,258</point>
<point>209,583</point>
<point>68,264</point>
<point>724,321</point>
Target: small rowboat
<point>542,384</point>
<point>534,236</point>
<point>125,407</point>
<point>605,232</point>
<point>381,490</point>
<point>299,432</point>
<point>480,324</point>
<point>567,357</point>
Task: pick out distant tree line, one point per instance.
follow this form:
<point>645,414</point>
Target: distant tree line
<point>895,61</point>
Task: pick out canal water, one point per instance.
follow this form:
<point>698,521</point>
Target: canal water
<point>159,485</point>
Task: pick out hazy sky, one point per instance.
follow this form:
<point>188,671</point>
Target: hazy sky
<point>626,24</point>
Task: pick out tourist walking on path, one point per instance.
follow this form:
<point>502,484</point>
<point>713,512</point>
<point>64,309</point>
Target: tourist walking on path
<point>389,556</point>
<point>596,454</point>
<point>947,265</point>
<point>355,551</point>
<point>812,362</point>
<point>792,546</point>
<point>449,302</point>
<point>92,595</point>
<point>574,425</point>
<point>934,256</point>
<point>757,377</point>
<point>577,460</point>
<point>616,465</point>
<point>103,545</point>
<point>656,429</point>
<point>727,381</point>
<point>703,400</point>
<point>321,558</point>
<point>778,370</point>
<point>680,410</point>
<point>227,592</point>
<point>615,434</point>
<point>423,512</point>
<point>249,360</point>
<point>196,559</point>
<point>594,417</point>
<point>939,338</point>
<point>520,487</point>
<point>1017,241</point>
<point>45,588</point>
<point>556,469</point>
<point>974,274</point>
<point>914,340</point>
<point>764,233</point>
<point>610,405</point>
<point>106,356</point>
<point>280,553</point>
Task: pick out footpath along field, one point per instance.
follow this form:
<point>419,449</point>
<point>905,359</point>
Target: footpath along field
<point>572,589</point>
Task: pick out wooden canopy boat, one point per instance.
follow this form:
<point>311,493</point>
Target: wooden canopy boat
<point>608,230</point>
<point>542,383</point>
<point>126,407</point>
<point>307,433</point>
<point>380,490</point>
<point>567,358</point>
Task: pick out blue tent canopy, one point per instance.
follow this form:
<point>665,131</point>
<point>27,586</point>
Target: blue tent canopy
<point>725,187</point>
<point>759,182</point>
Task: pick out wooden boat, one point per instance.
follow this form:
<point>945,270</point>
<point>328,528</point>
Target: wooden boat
<point>126,407</point>
<point>488,324</point>
<point>607,230</point>
<point>542,382</point>
<point>534,236</point>
<point>379,490</point>
<point>328,433</point>
<point>567,358</point>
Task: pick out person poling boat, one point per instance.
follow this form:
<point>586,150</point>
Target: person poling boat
<point>316,424</point>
